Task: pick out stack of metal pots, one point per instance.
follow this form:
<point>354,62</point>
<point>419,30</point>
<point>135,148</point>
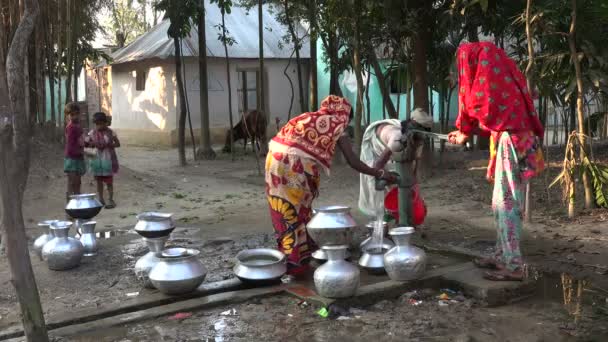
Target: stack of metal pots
<point>56,247</point>
<point>172,271</point>
<point>332,229</point>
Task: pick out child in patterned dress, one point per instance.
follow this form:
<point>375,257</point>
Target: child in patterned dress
<point>73,162</point>
<point>105,163</point>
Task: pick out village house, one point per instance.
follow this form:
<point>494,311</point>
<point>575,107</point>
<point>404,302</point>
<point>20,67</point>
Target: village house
<point>138,86</point>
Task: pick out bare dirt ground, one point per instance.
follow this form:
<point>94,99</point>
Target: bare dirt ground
<point>222,209</point>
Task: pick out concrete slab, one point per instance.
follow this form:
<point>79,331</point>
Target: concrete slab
<point>166,310</point>
<point>470,280</point>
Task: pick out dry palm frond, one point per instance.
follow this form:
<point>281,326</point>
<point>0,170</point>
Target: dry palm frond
<point>574,167</point>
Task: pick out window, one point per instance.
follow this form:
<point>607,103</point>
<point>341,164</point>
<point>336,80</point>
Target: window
<point>397,76</point>
<point>140,80</point>
<point>248,90</point>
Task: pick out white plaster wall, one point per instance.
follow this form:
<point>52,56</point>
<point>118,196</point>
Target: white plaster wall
<point>153,109</point>
<point>278,90</point>
<point>156,109</point>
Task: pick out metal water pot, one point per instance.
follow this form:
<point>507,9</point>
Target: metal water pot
<point>144,265</point>
<point>331,225</point>
<point>368,241</point>
<point>88,239</point>
<point>178,271</point>
<point>83,207</point>
<point>260,266</point>
<point>372,258</point>
<point>404,261</point>
<point>337,278</point>
<point>154,224</point>
<point>62,252</point>
<point>46,236</point>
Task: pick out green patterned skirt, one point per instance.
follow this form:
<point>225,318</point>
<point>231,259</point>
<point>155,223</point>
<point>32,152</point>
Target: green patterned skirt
<point>74,166</point>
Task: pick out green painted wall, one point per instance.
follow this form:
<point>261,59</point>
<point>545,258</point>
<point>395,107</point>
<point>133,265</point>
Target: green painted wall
<point>374,92</point>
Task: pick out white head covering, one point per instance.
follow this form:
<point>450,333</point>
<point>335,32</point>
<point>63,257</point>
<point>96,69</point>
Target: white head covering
<point>422,118</point>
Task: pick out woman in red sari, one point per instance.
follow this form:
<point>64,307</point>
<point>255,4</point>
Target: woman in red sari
<point>494,101</point>
<point>300,149</point>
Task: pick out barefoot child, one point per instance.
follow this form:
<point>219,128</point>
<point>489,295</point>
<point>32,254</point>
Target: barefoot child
<point>73,163</point>
<point>105,163</point>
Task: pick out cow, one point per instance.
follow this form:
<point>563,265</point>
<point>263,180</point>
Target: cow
<point>251,126</point>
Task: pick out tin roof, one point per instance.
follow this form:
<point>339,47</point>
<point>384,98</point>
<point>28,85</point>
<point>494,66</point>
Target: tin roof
<point>242,26</point>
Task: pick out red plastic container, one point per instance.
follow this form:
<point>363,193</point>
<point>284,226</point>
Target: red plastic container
<point>391,204</point>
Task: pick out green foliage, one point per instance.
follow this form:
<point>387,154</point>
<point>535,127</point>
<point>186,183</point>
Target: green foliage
<point>223,34</point>
<point>182,14</point>
<point>125,22</point>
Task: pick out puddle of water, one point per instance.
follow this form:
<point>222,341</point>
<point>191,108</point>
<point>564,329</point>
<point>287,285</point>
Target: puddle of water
<point>108,234</point>
<point>581,301</point>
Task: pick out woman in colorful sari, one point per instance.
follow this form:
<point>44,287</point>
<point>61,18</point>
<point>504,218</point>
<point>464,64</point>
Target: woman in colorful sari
<point>494,101</point>
<point>300,149</point>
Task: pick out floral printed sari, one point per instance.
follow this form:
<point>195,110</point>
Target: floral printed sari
<point>303,146</point>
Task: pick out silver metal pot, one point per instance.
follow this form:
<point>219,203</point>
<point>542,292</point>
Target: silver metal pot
<point>337,278</point>
<point>372,259</point>
<point>83,207</point>
<point>88,239</point>
<point>404,261</point>
<point>144,265</point>
<point>261,265</point>
<point>62,252</point>
<point>332,225</point>
<point>46,236</point>
<point>178,271</point>
<point>154,224</point>
<point>368,241</point>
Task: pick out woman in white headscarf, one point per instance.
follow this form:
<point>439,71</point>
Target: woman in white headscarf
<point>380,140</point>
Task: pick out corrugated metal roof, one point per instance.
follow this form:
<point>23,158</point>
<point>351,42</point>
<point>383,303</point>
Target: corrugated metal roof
<point>242,26</point>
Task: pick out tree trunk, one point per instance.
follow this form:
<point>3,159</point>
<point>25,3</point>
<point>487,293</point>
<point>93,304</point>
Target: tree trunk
<point>388,104</point>
<point>367,99</point>
<point>421,93</point>
<point>181,132</point>
<point>48,42</point>
<point>15,137</point>
<point>39,56</point>
<point>206,151</point>
<point>530,39</point>
<point>530,85</point>
<point>358,70</point>
<point>262,102</point>
<point>408,94</point>
<point>59,39</point>
<point>229,82</point>
<point>446,122</point>
<point>555,129</point>
<point>334,75</point>
<point>314,94</point>
<point>296,44</point>
<point>589,200</point>
<point>69,44</point>
<point>442,93</point>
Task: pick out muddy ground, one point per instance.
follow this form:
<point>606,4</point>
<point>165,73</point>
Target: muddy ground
<point>221,207</point>
<point>284,318</point>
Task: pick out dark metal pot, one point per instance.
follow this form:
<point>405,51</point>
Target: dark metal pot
<point>154,225</point>
<point>83,207</point>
